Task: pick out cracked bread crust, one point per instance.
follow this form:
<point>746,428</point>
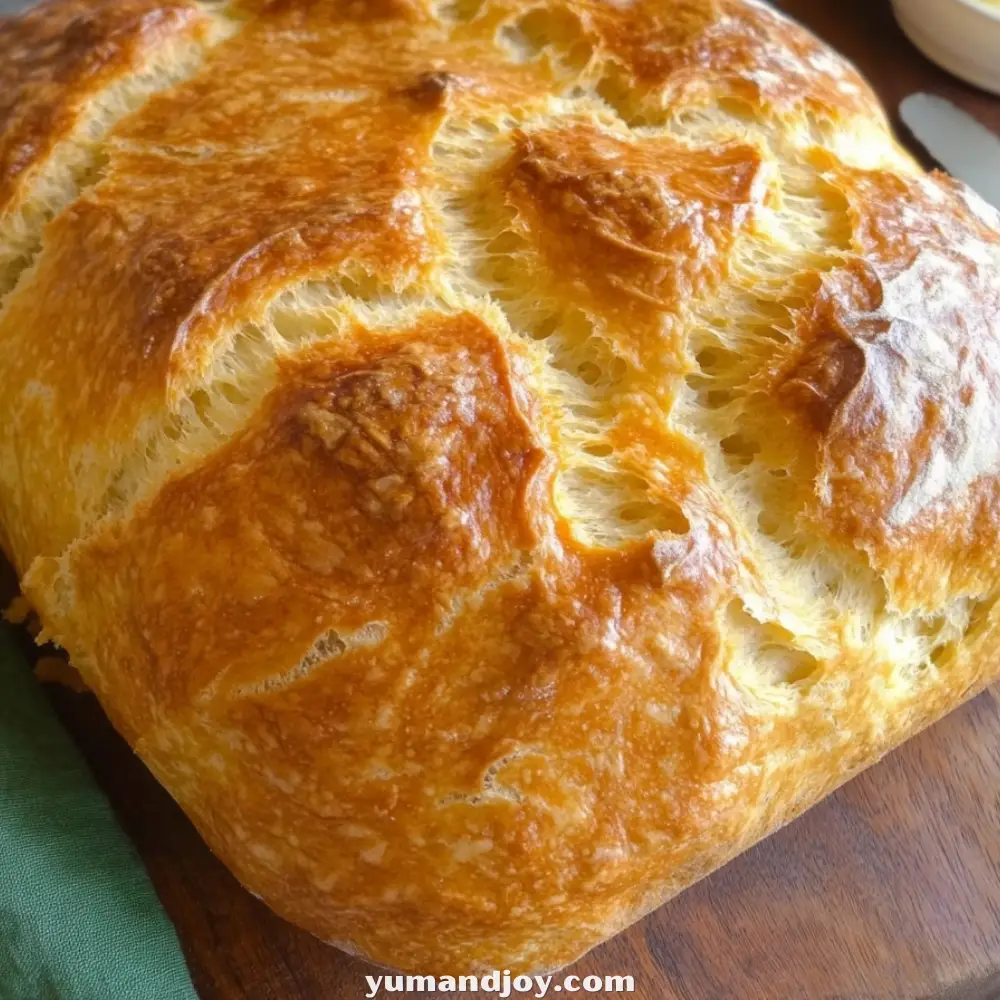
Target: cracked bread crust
<point>511,456</point>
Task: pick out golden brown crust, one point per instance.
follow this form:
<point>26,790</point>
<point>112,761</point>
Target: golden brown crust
<point>635,228</point>
<point>512,456</point>
<point>696,50</point>
<point>394,507</point>
<point>57,56</point>
<point>382,433</point>
<point>897,375</point>
<point>221,192</point>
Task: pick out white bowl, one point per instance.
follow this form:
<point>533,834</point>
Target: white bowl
<point>961,36</point>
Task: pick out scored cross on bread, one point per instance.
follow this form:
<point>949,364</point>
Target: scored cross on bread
<point>494,460</point>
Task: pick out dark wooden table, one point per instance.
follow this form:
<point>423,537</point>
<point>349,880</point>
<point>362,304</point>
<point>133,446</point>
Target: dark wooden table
<point>890,890</point>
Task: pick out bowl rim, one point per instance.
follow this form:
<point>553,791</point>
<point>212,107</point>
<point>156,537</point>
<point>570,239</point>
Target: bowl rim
<point>992,12</point>
<point>964,46</point>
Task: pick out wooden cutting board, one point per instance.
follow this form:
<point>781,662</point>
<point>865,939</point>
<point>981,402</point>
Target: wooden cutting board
<point>890,890</point>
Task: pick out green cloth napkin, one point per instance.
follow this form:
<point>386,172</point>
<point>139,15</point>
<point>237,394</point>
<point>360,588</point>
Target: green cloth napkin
<point>79,919</point>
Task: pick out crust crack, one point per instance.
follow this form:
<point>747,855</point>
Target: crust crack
<point>82,157</point>
<point>605,496</point>
<point>214,412</point>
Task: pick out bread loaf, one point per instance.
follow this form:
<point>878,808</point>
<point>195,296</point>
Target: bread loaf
<point>495,460</point>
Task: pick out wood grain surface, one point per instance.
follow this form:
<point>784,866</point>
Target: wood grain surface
<point>890,890</point>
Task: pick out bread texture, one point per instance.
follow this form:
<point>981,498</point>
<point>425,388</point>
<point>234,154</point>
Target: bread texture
<point>495,460</point>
